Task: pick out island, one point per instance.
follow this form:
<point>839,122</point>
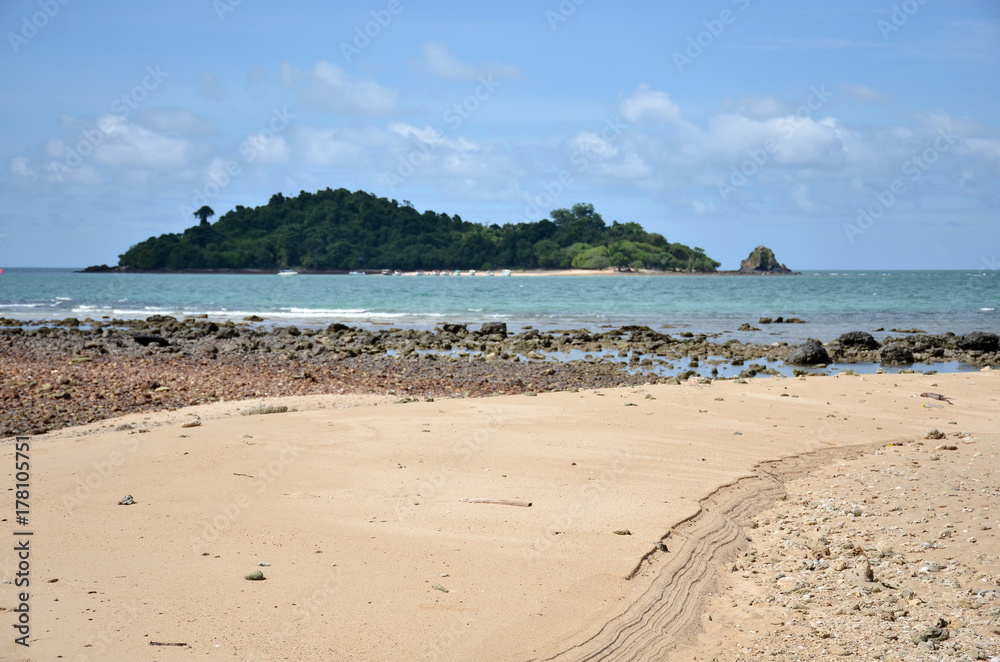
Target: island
<point>336,231</point>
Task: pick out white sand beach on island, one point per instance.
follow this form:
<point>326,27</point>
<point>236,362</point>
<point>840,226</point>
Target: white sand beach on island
<point>364,512</point>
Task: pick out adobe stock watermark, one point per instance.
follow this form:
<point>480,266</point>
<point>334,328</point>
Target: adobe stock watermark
<point>758,157</point>
<point>228,514</point>
<point>454,116</point>
<point>714,28</point>
<point>446,638</point>
<point>98,644</point>
<point>249,149</point>
<point>586,496</point>
<point>542,201</point>
<point>900,16</point>
<point>121,107</point>
<point>223,7</point>
<point>913,169</point>
<point>562,13</point>
<point>98,473</point>
<point>365,34</point>
<point>31,26</point>
<point>301,612</point>
<point>432,483</point>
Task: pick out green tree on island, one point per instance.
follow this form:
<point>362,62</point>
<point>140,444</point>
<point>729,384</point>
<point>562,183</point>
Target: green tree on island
<point>204,214</point>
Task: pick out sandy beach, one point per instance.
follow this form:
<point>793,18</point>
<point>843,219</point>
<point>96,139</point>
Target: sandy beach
<point>365,513</point>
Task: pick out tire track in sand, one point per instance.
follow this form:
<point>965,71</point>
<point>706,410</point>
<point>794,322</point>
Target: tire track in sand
<point>667,614</point>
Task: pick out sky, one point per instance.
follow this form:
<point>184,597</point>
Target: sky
<point>843,135</point>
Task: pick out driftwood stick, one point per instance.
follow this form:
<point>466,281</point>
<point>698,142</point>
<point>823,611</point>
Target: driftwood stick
<point>160,643</point>
<point>500,502</point>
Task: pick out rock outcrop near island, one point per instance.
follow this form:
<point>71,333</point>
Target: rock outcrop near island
<point>762,261</point>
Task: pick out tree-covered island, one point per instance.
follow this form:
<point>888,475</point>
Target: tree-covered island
<point>340,230</point>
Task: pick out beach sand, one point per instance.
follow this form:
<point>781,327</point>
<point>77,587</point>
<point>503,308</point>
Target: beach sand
<point>361,507</point>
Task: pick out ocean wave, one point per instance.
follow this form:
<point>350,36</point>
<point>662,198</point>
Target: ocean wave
<point>22,305</point>
<point>326,311</point>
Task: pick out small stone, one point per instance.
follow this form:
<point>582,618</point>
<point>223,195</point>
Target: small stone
<point>255,576</point>
<point>438,587</point>
<point>191,424</point>
<point>127,500</point>
<point>863,572</point>
<point>264,564</point>
<point>934,433</point>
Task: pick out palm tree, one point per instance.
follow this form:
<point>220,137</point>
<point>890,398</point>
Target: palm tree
<point>204,214</point>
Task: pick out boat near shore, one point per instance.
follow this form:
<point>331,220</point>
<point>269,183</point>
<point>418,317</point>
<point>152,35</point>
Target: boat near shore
<point>288,272</point>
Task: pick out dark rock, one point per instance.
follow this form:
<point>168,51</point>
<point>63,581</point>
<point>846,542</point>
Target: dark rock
<point>226,333</point>
<point>641,334</point>
<point>810,352</point>
<point>764,320</point>
<point>762,261</point>
<point>147,339</point>
<point>895,354</point>
<point>490,328</point>
<point>336,327</point>
<point>979,341</point>
<point>100,269</point>
<point>858,339</point>
<point>455,328</point>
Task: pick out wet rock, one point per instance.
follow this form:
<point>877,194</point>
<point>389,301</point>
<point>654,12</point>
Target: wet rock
<point>861,339</point>
<point>491,328</point>
<point>895,354</point>
<point>979,341</point>
<point>811,352</point>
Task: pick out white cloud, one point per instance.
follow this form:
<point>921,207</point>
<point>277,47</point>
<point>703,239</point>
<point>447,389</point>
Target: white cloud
<point>21,168</point>
<point>328,147</point>
<point>439,62</point>
<point>590,144</point>
<point>132,146</point>
<point>702,208</point>
<point>649,105</point>
<point>328,88</point>
<point>865,94</point>
<point>174,120</point>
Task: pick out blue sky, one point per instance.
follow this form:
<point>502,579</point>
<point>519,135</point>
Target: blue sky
<point>843,135</point>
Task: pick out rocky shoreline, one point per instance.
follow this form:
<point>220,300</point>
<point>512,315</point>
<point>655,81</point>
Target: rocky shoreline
<point>71,372</point>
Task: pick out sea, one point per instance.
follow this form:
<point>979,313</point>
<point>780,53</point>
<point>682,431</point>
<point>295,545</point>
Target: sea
<point>829,302</point>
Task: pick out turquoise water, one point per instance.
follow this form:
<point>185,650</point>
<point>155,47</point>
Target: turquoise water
<point>830,302</point>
